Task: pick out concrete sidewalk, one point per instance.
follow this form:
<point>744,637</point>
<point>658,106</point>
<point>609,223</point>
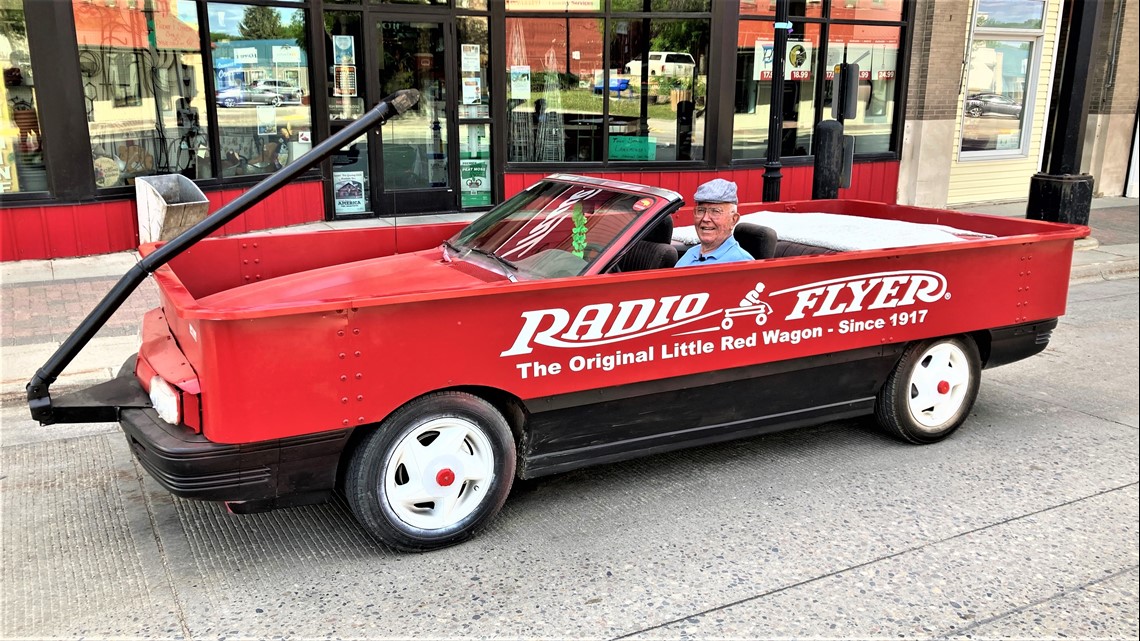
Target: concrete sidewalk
<point>44,301</point>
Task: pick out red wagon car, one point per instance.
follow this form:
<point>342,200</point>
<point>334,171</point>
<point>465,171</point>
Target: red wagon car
<point>420,370</point>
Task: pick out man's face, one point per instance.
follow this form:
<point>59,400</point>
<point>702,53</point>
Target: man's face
<point>714,223</point>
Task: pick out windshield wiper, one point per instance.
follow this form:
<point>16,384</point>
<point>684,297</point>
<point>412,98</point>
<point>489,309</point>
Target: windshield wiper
<point>499,259</point>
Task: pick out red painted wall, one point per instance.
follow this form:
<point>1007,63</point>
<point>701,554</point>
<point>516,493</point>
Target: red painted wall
<point>874,181</point>
<point>61,231</point>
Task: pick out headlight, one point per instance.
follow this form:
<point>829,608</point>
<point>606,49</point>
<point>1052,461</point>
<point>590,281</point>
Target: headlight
<point>164,398</point>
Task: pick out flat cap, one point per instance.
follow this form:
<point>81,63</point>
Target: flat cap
<point>716,191</point>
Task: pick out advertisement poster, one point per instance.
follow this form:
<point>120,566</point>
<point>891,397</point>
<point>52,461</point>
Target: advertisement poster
<point>520,82</point>
<point>797,61</point>
<point>266,119</point>
<point>348,191</point>
<point>472,91</point>
<point>344,50</point>
<point>475,181</point>
<point>883,62</point>
<point>286,55</point>
<point>344,80</point>
<point>469,58</point>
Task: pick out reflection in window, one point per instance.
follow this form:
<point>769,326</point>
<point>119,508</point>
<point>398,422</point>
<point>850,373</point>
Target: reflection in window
<point>1010,14</point>
<point>657,108</point>
<point>754,88</point>
<point>143,89</point>
<point>866,10</point>
<point>875,50</point>
<point>261,76</point>
<point>552,93</point>
<point>412,55</point>
<point>796,8</point>
<point>21,143</point>
<point>996,87</point>
<point>655,92</point>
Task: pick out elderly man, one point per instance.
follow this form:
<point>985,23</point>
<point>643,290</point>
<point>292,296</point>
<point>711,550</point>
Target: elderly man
<point>714,217</point>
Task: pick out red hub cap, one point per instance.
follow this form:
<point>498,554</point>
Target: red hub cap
<point>943,387</point>
<point>445,477</point>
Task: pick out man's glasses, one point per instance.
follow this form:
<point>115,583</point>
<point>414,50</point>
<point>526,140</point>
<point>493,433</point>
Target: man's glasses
<point>711,212</point>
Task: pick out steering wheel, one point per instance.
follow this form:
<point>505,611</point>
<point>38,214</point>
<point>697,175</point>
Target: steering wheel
<point>592,251</point>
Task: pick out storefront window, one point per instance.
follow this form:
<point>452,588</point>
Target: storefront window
<point>657,109</point>
<point>552,92</point>
<point>889,10</point>
<point>344,47</point>
<point>260,57</point>
<point>754,87</point>
<point>21,142</point>
<point>411,55</point>
<point>995,114</point>
<point>796,8</point>
<point>144,90</point>
<point>875,49</point>
<point>673,6</point>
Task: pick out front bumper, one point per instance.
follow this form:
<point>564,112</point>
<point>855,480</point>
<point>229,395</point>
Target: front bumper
<point>250,476</point>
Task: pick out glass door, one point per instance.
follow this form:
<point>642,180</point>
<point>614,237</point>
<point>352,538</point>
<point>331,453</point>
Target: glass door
<point>417,170</point>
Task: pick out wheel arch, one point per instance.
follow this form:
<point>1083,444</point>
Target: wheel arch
<point>510,406</point>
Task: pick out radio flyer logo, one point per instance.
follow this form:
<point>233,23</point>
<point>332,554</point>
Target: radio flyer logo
<point>601,324</point>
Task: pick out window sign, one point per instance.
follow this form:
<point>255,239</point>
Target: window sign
<point>632,147</point>
<point>469,58</point>
<point>344,81</point>
<point>286,55</point>
<point>348,191</point>
<point>797,62</point>
<point>344,50</point>
<point>475,181</point>
<point>520,82</point>
<point>472,90</point>
<point>245,55</point>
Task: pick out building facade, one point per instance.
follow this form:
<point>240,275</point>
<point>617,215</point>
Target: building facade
<point>98,93</point>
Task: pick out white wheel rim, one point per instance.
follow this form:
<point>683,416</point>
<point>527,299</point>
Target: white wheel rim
<point>938,385</point>
<point>439,484</point>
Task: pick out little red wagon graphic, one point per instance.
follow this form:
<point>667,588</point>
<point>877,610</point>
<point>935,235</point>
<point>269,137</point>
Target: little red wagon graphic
<point>759,311</point>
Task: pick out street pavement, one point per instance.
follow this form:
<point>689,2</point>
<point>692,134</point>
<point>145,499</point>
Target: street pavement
<point>1023,524</point>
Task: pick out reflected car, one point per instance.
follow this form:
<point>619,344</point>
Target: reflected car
<point>665,63</point>
<point>236,96</point>
<point>289,91</point>
<point>991,104</point>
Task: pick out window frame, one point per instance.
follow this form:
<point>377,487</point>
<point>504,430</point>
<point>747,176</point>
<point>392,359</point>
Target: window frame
<point>1036,39</point>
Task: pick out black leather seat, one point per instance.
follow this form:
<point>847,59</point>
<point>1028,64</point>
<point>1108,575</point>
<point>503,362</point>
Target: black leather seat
<point>758,240</point>
<point>654,251</point>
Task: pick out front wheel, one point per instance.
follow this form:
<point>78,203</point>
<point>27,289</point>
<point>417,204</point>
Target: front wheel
<point>931,390</point>
<point>433,473</point>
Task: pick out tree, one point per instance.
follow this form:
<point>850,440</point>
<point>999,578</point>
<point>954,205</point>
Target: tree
<point>261,23</point>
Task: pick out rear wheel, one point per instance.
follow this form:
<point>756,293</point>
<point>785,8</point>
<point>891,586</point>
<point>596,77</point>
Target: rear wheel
<point>433,473</point>
<point>931,390</point>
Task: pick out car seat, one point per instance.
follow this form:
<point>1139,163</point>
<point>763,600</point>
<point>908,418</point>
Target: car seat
<point>654,251</point>
<point>758,240</point>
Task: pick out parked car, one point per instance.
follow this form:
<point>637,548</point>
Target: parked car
<point>664,63</point>
<point>237,96</point>
<point>991,104</point>
<point>289,91</point>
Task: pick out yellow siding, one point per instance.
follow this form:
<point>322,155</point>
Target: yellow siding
<point>1007,178</point>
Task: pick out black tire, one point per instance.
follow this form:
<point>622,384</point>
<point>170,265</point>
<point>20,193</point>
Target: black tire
<point>900,407</point>
<point>275,101</point>
<point>385,460</point>
<point>975,112</point>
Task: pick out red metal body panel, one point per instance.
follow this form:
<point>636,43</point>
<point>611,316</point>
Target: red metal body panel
<point>37,232</point>
<point>874,181</point>
<point>337,355</point>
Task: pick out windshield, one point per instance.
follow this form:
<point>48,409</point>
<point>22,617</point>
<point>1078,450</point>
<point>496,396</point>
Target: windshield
<point>552,230</point>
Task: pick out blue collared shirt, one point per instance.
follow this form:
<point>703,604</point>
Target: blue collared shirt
<point>729,251</point>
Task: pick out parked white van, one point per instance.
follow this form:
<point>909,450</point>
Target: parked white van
<point>664,63</point>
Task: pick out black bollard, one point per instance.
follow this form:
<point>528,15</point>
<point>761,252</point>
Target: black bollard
<point>828,160</point>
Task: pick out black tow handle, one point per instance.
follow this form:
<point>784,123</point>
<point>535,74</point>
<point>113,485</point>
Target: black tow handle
<point>39,397</point>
